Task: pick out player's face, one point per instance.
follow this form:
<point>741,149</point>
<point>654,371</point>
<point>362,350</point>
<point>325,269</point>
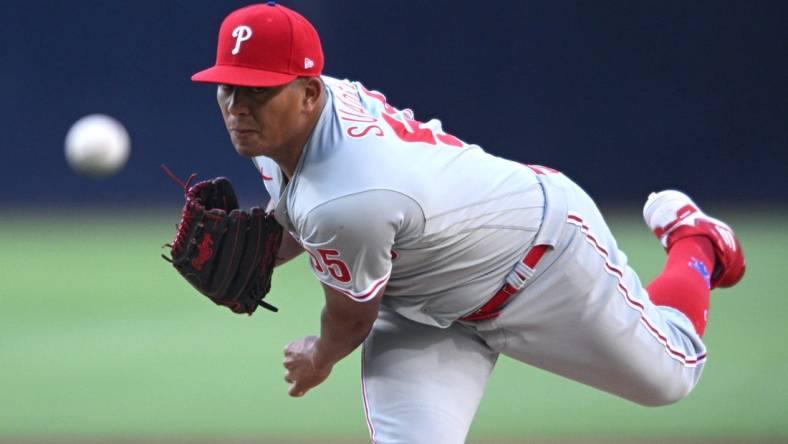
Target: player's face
<point>262,121</point>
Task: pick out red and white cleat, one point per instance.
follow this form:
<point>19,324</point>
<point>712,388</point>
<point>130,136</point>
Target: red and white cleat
<point>672,215</point>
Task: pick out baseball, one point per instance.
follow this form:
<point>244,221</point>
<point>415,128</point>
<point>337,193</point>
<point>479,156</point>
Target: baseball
<point>97,145</point>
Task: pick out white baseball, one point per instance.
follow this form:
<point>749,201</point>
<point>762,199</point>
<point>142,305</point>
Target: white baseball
<point>97,145</point>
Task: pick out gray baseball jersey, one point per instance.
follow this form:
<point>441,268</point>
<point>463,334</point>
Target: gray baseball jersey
<point>380,198</point>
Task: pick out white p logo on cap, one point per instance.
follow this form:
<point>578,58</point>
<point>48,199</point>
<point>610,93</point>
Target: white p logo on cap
<point>241,33</point>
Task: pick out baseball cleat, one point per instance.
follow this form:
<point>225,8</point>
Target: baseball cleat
<point>672,215</point>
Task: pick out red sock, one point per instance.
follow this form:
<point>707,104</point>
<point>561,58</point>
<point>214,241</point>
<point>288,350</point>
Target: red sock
<point>684,282</point>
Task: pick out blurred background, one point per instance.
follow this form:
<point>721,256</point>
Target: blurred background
<point>100,340</point>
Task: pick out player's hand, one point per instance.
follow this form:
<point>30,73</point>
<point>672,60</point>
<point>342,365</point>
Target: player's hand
<point>302,374</point>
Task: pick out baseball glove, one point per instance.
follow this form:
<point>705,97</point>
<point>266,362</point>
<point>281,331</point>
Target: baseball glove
<point>226,253</point>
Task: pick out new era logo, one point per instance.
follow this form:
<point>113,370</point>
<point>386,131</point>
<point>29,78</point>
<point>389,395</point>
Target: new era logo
<point>308,63</point>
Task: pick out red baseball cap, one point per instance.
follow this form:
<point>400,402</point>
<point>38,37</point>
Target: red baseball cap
<point>264,45</point>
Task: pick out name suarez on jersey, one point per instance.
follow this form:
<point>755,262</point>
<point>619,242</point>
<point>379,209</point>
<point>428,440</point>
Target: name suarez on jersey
<point>360,122</point>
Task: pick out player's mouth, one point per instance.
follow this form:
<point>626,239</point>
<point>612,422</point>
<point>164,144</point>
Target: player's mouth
<point>242,133</point>
<point>242,130</point>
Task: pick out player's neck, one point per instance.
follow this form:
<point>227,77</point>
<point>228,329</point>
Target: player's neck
<point>288,161</point>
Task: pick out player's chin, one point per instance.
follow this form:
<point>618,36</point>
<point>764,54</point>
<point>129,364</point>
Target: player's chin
<point>246,148</point>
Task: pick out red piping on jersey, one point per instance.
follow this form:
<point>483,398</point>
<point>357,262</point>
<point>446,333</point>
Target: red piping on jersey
<point>262,174</point>
<point>363,297</point>
<point>577,220</point>
<point>494,306</point>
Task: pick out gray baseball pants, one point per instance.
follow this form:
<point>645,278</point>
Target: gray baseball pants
<point>584,315</point>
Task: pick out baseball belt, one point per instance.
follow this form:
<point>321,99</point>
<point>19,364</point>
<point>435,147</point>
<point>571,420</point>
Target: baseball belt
<point>515,281</point>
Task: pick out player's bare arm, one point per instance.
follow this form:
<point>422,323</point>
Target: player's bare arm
<point>345,324</point>
<point>288,249</point>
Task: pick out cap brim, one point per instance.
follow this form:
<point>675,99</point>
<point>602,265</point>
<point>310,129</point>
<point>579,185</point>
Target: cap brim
<point>241,76</point>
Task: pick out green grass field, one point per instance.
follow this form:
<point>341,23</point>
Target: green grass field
<point>100,339</point>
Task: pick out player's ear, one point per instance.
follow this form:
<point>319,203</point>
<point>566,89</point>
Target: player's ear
<point>313,92</point>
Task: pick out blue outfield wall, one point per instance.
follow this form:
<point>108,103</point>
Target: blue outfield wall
<point>625,97</point>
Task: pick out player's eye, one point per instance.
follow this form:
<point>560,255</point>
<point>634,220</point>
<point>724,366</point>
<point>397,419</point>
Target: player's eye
<point>258,90</point>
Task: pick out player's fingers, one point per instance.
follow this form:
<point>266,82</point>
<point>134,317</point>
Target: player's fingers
<point>290,348</point>
<point>289,363</point>
<point>293,347</point>
<point>296,390</point>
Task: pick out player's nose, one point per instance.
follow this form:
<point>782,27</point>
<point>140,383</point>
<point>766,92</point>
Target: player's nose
<point>237,102</point>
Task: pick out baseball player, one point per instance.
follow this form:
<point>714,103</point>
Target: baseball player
<point>439,257</point>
